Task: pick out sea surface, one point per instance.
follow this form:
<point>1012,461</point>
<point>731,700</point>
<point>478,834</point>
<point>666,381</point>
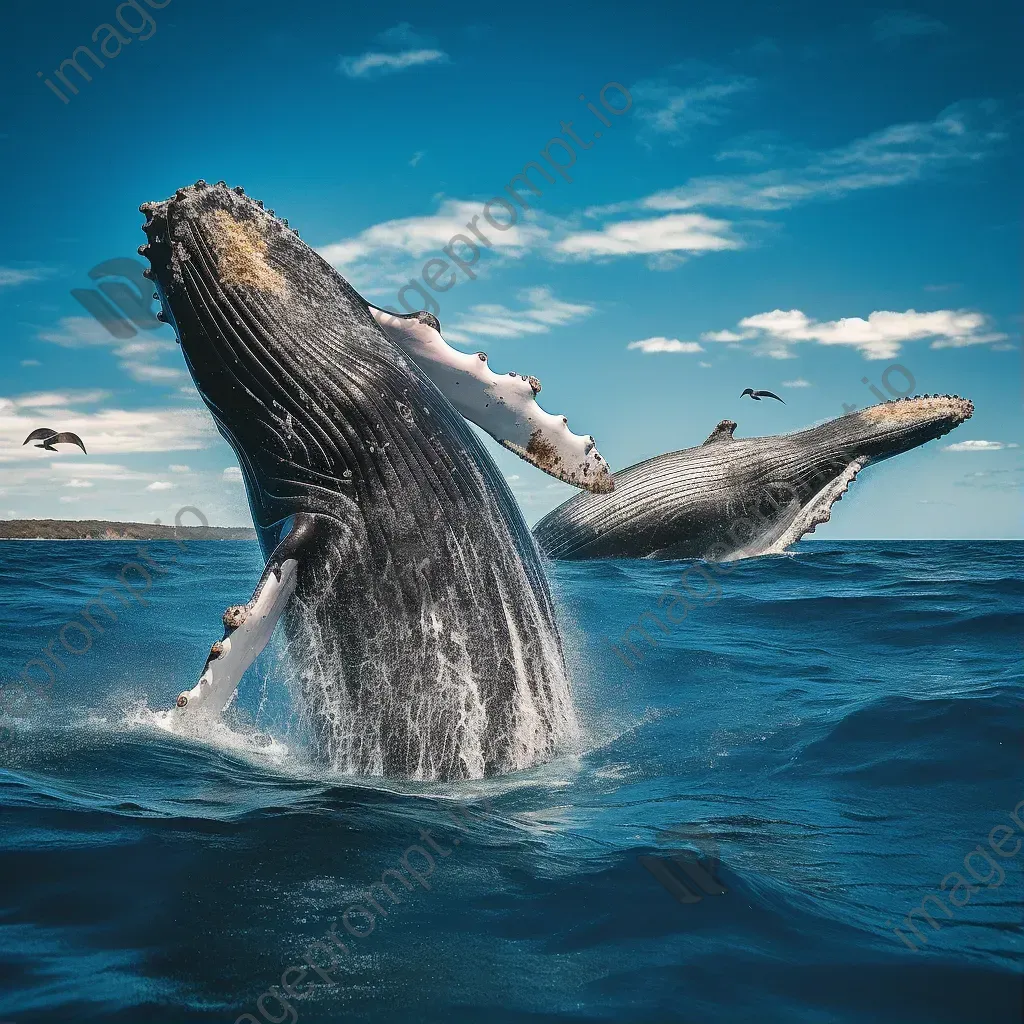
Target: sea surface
<point>763,793</point>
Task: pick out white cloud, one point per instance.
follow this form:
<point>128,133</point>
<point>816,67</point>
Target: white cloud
<point>144,349</point>
<point>55,399</point>
<point>730,336</point>
<point>177,468</point>
<point>796,383</point>
<point>136,356</point>
<point>880,336</point>
<point>541,312</point>
<point>30,362</point>
<point>232,473</point>
<point>706,366</point>
<point>149,373</point>
<point>687,232</point>
<point>669,110</point>
<point>980,446</point>
<point>96,470</point>
<point>75,482</point>
<point>649,345</point>
<point>382,254</point>
<point>416,236</point>
<point>962,133</point>
<point>417,157</point>
<point>77,332</point>
<point>373,64</point>
<point>11,277</point>
<point>107,431</point>
<point>160,485</point>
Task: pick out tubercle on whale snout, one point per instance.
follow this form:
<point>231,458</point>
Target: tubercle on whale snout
<point>939,414</point>
<point>157,225</point>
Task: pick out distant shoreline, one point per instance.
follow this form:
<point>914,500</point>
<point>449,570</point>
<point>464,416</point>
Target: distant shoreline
<point>102,529</point>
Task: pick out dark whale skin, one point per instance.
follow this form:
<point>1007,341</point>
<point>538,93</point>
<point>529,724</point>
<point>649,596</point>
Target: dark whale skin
<point>421,628</point>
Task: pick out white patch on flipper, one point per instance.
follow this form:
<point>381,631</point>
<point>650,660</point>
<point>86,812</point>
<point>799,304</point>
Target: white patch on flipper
<point>240,647</point>
<point>503,405</point>
<point>817,511</point>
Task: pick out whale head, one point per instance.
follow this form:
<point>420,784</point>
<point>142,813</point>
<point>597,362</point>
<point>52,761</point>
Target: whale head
<point>882,431</point>
<point>320,408</point>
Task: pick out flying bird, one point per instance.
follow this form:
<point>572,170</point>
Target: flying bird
<point>38,433</point>
<point>50,437</point>
<point>758,395</point>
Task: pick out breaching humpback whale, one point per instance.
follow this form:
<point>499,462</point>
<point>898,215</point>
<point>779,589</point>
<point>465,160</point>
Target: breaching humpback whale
<point>734,498</point>
<point>415,609</point>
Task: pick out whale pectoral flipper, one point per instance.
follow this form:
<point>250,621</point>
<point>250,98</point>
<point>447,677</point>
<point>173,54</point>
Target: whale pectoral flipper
<point>504,405</point>
<point>247,629</point>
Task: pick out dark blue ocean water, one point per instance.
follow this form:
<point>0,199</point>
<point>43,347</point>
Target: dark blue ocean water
<point>802,760</point>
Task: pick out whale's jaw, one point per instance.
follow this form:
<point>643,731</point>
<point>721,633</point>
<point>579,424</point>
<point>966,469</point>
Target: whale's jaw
<point>736,498</point>
<point>417,615</point>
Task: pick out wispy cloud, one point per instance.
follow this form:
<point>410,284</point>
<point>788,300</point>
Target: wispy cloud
<point>800,383</point>
<point>895,26</point>
<point>11,277</point>
<point>671,111</point>
<point>377,64</point>
<point>980,446</point>
<point>962,133</point>
<point>541,311</point>
<point>675,233</point>
<point>105,432</point>
<point>137,356</point>
<point>880,336</point>
<point>381,254</point>
<point>77,332</point>
<point>408,49</point>
<point>54,399</point>
<point>232,474</point>
<point>652,345</point>
<point>160,485</point>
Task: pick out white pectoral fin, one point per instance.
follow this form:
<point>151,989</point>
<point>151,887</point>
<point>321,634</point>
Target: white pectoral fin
<point>247,630</point>
<point>505,405</point>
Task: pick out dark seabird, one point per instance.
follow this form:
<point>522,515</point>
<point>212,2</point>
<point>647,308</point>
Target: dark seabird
<point>51,437</point>
<point>38,434</point>
<point>758,395</point>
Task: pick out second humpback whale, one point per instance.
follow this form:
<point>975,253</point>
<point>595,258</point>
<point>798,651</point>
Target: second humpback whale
<point>415,608</point>
<point>734,498</point>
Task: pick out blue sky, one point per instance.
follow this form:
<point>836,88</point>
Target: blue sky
<point>799,196</point>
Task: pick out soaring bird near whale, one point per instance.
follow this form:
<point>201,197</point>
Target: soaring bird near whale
<point>758,395</point>
<point>733,498</point>
<point>50,437</point>
<point>416,612</point>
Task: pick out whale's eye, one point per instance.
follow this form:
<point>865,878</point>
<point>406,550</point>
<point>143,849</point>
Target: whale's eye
<point>429,319</point>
